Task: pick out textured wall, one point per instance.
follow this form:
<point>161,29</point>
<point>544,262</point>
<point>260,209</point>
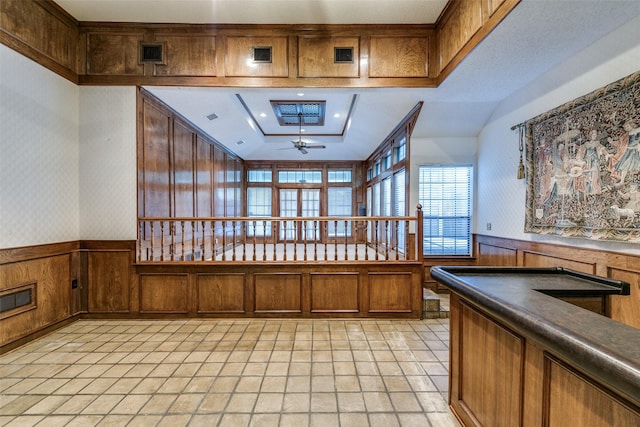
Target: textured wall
<point>501,197</point>
<point>38,154</point>
<point>108,163</point>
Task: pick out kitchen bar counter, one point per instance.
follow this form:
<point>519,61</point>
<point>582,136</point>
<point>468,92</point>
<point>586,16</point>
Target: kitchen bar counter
<point>540,332</point>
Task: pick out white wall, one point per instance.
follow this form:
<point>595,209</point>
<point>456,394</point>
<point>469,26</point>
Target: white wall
<point>108,180</point>
<point>500,196</point>
<point>39,200</point>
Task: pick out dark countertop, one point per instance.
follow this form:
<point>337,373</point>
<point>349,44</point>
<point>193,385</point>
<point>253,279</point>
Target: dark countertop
<point>521,298</point>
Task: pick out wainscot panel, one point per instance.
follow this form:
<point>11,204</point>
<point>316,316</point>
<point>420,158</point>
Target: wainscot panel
<point>334,292</point>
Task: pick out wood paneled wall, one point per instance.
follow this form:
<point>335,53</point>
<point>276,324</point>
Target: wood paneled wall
<point>182,172</point>
<point>218,55</point>
<point>619,266</point>
<point>68,279</point>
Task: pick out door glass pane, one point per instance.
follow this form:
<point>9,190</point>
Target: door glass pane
<point>288,208</point>
<point>259,205</point>
<point>339,204</point>
<point>310,207</point>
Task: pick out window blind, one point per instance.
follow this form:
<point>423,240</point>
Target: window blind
<point>445,196</point>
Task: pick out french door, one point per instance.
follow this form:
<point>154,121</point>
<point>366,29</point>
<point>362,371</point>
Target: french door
<point>300,203</point>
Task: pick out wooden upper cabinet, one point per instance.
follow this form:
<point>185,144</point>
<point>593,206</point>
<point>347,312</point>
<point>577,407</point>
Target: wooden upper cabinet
<point>328,56</point>
<point>236,55</point>
<point>187,55</point>
<point>114,54</point>
<point>398,57</point>
<point>457,28</point>
<point>256,57</point>
<point>42,27</point>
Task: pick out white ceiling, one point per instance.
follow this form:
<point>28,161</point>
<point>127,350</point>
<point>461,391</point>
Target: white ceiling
<point>536,36</point>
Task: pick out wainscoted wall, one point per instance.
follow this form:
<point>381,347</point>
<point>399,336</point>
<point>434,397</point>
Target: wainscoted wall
<point>66,279</point>
<point>39,200</point>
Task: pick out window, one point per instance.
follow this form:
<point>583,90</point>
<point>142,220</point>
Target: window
<point>257,175</point>
<point>300,176</point>
<point>339,175</point>
<point>259,205</point>
<point>444,191</point>
<point>400,151</point>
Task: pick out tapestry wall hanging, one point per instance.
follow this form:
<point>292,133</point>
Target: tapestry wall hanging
<point>583,166</point>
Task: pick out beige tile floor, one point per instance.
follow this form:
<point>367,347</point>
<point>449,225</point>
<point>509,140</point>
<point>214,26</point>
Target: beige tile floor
<point>230,373</point>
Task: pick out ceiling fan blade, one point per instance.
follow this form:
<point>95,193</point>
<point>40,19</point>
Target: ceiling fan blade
<point>302,150</point>
<point>315,146</point>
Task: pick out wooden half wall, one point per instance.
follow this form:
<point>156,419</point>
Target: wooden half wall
<point>57,283</point>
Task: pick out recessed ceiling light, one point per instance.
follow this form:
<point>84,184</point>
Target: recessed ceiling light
<point>212,116</point>
<point>240,142</point>
<point>300,94</point>
<point>303,130</point>
<point>336,115</point>
<point>263,114</point>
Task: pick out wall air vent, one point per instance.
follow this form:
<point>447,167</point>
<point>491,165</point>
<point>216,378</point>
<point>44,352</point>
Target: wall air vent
<point>262,54</point>
<point>342,55</point>
<point>151,52</point>
<point>17,300</point>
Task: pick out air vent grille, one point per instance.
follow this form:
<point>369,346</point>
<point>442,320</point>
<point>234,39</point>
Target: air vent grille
<point>343,54</point>
<point>262,54</point>
<point>151,53</point>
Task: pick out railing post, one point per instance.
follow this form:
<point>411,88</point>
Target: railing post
<point>419,234</point>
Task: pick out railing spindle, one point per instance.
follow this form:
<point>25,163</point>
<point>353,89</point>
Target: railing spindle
<point>233,243</point>
<point>264,239</point>
<point>335,240</point>
<point>285,239</point>
<point>254,239</point>
<point>203,245</point>
<point>387,239</point>
<point>243,232</point>
<point>140,239</point>
<point>305,224</point>
<point>224,239</point>
<point>295,239</point>
<point>367,226</point>
<point>275,236</point>
<point>346,242</point>
<point>377,239</point>
<point>326,244</point>
<point>355,238</point>
<point>315,240</point>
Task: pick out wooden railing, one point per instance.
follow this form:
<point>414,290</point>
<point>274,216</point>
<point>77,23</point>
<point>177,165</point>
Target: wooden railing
<point>269,239</point>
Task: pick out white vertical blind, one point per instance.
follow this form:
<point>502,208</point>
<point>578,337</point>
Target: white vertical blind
<point>445,196</point>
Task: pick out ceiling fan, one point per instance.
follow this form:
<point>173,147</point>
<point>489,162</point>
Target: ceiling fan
<point>301,145</point>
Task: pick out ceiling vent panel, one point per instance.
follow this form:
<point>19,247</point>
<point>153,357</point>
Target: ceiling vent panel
<point>289,113</point>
